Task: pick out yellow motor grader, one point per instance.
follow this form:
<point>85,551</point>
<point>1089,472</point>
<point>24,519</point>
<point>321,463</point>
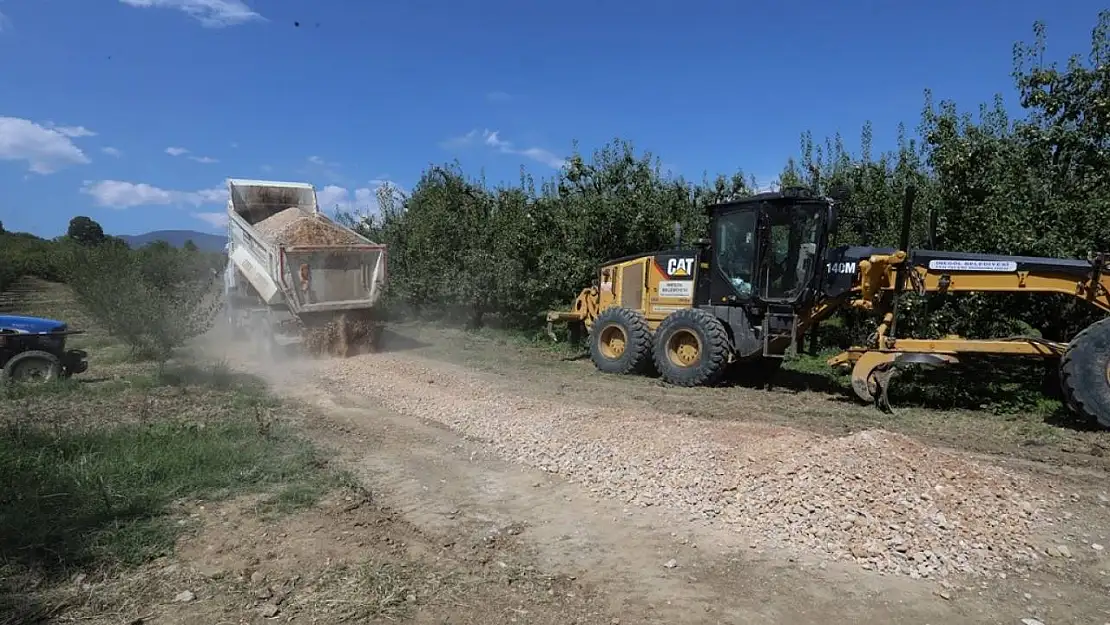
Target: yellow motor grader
<point>739,302</point>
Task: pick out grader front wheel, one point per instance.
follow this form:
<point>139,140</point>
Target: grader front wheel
<point>1085,373</point>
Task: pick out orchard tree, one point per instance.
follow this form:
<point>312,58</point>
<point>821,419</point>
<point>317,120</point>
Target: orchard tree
<point>85,231</point>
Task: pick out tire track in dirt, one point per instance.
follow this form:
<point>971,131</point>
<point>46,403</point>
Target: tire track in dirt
<point>386,413</point>
<point>453,486</point>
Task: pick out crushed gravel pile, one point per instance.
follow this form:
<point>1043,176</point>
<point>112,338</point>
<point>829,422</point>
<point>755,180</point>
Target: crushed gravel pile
<point>893,505</point>
<point>346,335</point>
<point>876,498</point>
<point>294,227</point>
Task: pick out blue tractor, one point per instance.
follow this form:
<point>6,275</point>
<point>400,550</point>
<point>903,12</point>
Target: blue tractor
<point>33,349</point>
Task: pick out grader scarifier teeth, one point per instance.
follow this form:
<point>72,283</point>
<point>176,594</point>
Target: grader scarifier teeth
<point>884,375</point>
<point>874,372</point>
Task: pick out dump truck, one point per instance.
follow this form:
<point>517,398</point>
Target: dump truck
<point>741,300</point>
<point>296,277</point>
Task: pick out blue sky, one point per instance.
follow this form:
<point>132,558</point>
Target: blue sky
<point>134,112</point>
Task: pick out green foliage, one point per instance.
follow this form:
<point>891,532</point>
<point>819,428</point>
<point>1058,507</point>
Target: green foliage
<point>23,254</point>
<point>462,250</point>
<point>154,299</point>
<point>85,492</point>
<point>85,231</point>
<point>1038,185</point>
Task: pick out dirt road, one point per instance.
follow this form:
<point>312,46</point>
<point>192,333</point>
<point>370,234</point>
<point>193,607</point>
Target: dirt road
<point>670,517</point>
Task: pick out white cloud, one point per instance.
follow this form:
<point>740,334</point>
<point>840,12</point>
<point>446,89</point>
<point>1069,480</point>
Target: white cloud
<point>46,150</point>
<point>320,162</point>
<point>172,151</point>
<point>73,132</point>
<point>364,197</point>
<point>324,168</point>
<point>210,13</point>
<point>216,220</point>
<point>331,196</point>
<point>120,194</point>
<point>110,151</point>
<point>207,160</point>
<point>492,139</point>
<point>363,200</point>
<point>461,141</point>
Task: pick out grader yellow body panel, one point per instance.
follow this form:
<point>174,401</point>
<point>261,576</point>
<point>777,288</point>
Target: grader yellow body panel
<point>656,285</point>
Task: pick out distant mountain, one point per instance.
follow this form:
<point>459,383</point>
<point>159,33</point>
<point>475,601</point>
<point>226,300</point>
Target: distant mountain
<point>177,238</point>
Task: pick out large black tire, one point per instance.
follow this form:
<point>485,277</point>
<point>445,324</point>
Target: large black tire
<point>1085,373</point>
<point>33,366</point>
<point>620,342</point>
<point>691,348</point>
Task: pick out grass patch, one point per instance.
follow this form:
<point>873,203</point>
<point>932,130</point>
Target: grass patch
<point>374,590</point>
<point>92,470</point>
<point>92,497</point>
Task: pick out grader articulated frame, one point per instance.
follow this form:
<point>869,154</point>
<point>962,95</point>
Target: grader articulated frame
<point>745,298</point>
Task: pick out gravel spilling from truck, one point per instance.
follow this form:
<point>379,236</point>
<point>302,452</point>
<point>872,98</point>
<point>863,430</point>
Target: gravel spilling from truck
<point>349,333</point>
<point>875,498</point>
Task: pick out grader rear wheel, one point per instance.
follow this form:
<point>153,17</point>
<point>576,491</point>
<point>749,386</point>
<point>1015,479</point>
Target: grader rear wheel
<point>1085,373</point>
<point>620,341</point>
<point>691,348</point>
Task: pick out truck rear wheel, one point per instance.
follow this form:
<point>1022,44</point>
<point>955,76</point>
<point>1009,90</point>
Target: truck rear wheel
<point>1085,373</point>
<point>620,341</point>
<point>33,366</point>
<point>691,348</point>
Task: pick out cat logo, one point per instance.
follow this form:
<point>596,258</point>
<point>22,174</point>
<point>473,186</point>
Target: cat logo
<point>680,267</point>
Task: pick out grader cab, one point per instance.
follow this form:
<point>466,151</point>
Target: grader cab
<point>742,300</point>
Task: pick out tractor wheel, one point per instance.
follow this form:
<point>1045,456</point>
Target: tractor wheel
<point>691,348</point>
<point>620,341</point>
<point>1085,373</point>
<point>33,366</point>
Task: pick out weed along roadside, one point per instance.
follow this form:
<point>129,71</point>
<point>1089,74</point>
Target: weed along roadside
<point>104,477</point>
<point>107,473</point>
